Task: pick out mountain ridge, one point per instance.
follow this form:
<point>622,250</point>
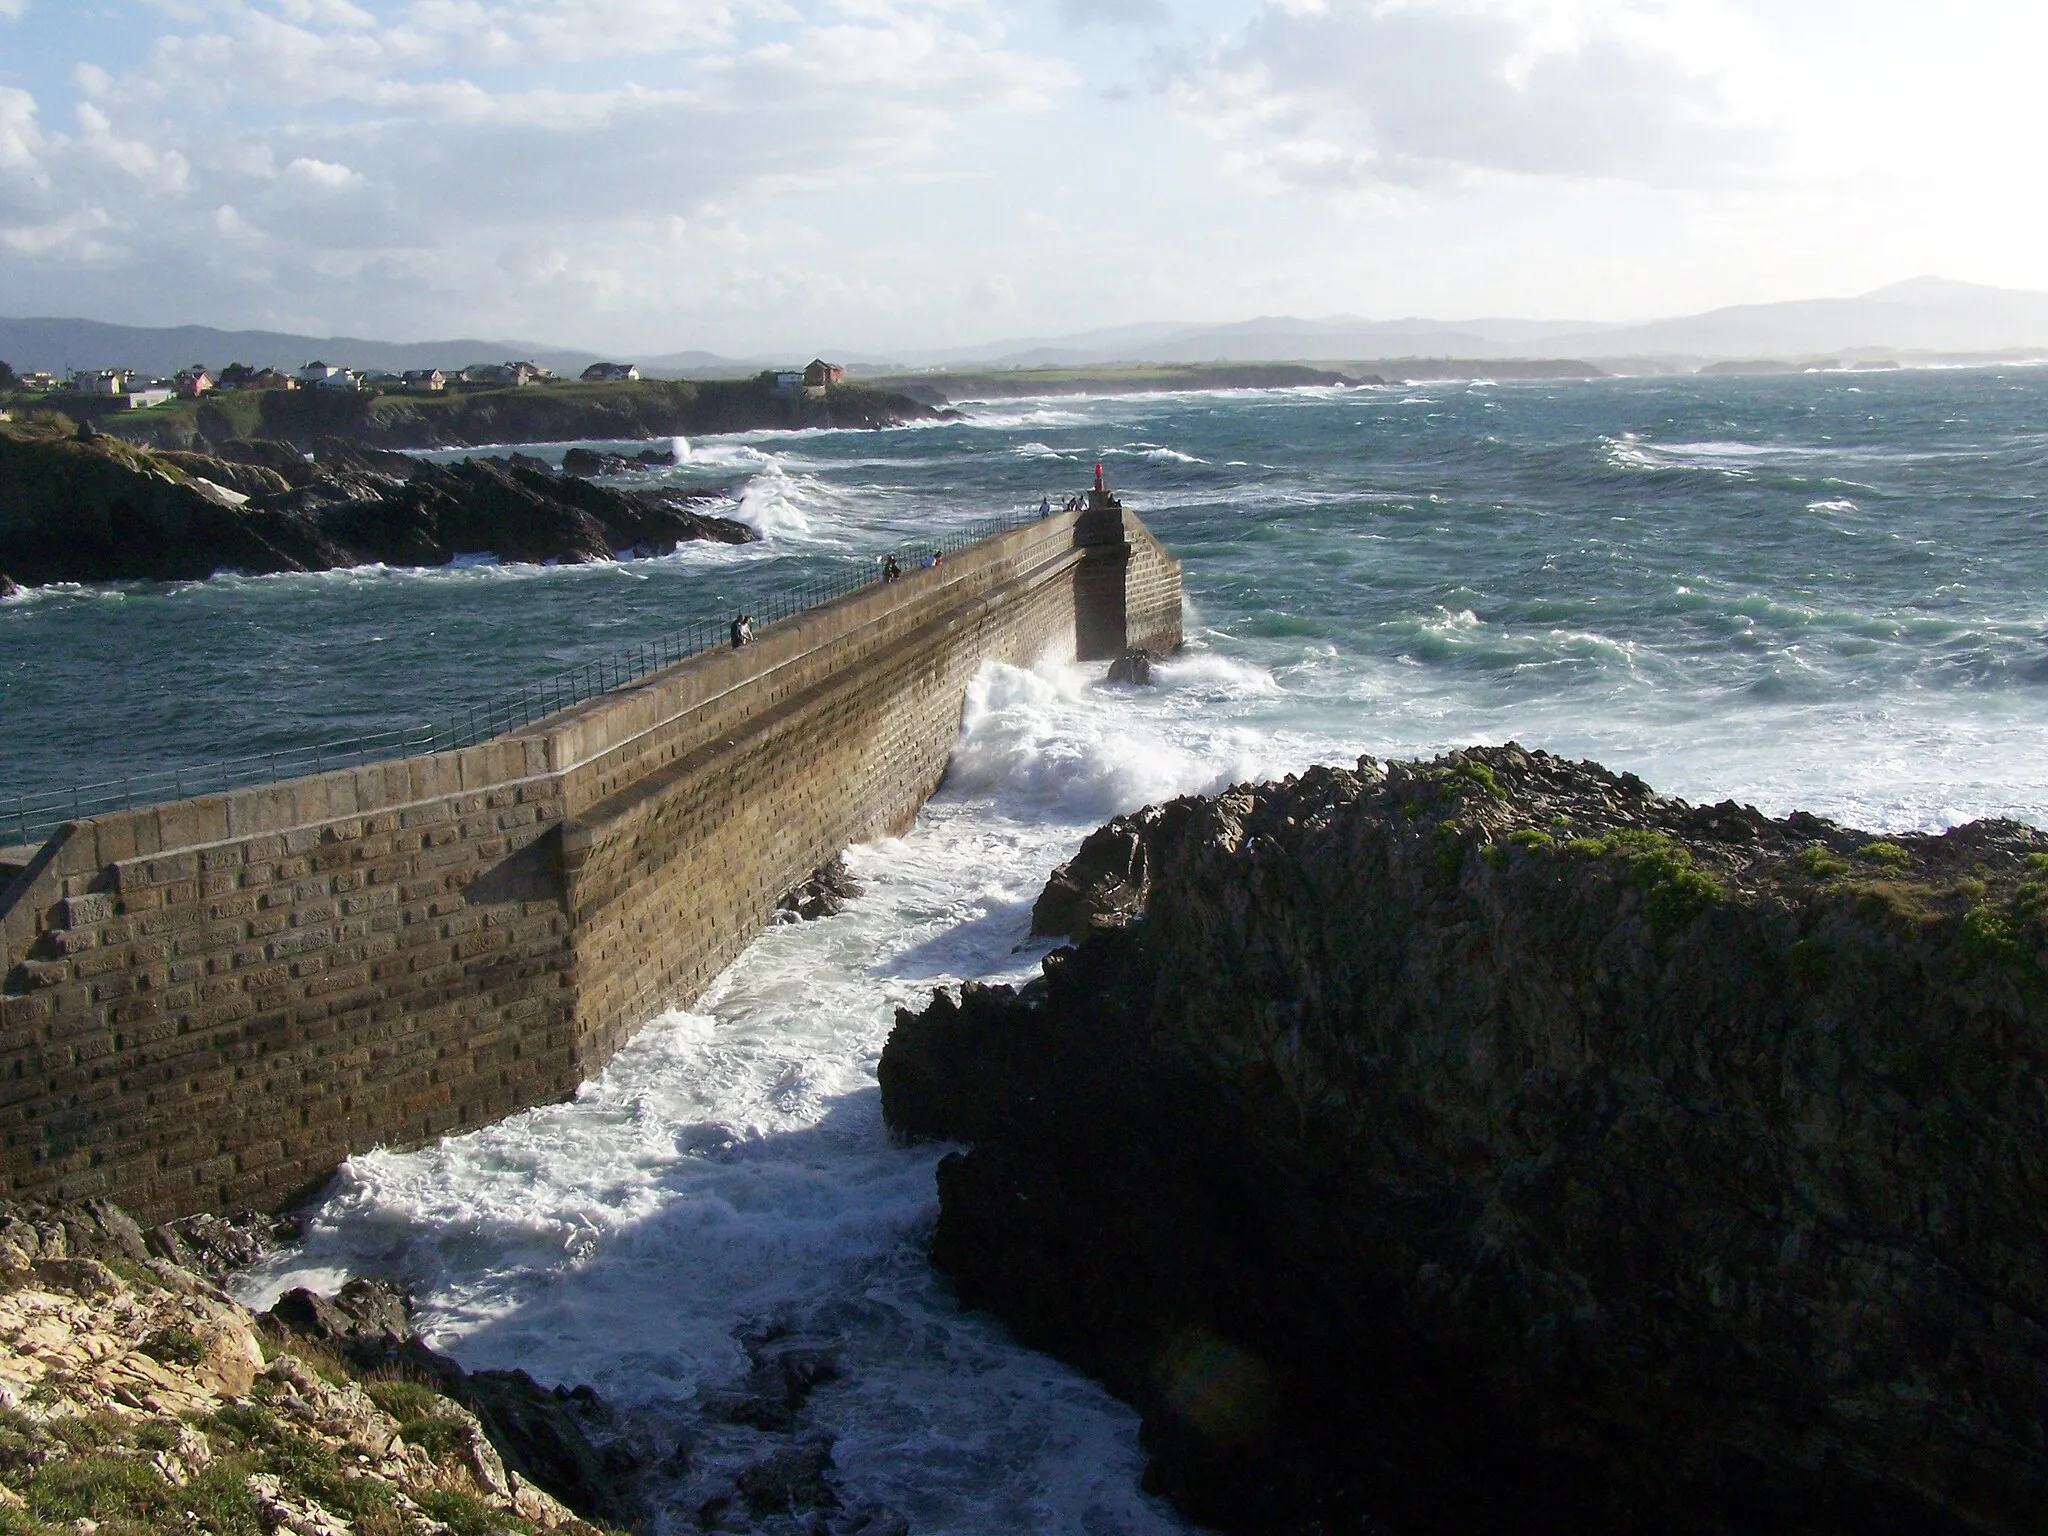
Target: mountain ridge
<point>1918,316</point>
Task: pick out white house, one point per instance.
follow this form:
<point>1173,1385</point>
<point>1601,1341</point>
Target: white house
<point>317,372</point>
<point>341,379</point>
<point>610,373</point>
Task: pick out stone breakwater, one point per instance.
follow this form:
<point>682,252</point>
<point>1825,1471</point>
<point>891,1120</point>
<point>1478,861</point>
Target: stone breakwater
<point>1493,1144</point>
<point>208,1004</point>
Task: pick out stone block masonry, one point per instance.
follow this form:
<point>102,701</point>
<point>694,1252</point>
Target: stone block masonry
<point>209,1004</point>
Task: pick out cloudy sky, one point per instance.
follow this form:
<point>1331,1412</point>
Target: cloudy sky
<point>742,175</point>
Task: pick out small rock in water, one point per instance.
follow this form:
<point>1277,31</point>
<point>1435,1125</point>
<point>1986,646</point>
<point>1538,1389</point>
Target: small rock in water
<point>588,461</point>
<point>1133,667</point>
<point>7,586</point>
<point>825,894</point>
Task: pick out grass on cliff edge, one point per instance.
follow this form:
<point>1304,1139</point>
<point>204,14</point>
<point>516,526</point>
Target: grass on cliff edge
<point>100,1467</point>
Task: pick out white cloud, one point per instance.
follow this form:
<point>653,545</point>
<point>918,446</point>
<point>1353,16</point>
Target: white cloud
<point>356,160</point>
<point>1356,92</point>
<point>20,139</point>
<point>10,9</point>
<point>321,173</point>
<point>1115,13</point>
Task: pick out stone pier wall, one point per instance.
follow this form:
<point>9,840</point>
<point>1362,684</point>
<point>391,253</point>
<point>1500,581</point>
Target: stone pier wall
<point>209,1004</point>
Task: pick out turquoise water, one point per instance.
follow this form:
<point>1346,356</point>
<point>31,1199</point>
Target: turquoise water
<point>1828,592</point>
<point>1831,585</point>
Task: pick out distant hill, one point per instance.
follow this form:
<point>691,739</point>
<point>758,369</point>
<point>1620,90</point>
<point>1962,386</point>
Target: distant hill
<point>1924,317</point>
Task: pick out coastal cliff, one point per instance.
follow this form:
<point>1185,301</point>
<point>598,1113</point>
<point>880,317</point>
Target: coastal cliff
<point>1495,1145</point>
<point>105,510</point>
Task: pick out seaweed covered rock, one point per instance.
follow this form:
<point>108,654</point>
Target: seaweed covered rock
<point>1494,1145</point>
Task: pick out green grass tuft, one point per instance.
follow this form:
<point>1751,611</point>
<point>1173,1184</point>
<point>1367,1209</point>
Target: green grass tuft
<point>1481,775</point>
<point>1988,937</point>
<point>402,1399</point>
<point>1675,892</point>
<point>439,1438</point>
<point>174,1346</point>
<point>1821,863</point>
<point>1890,855</point>
<point>467,1516</point>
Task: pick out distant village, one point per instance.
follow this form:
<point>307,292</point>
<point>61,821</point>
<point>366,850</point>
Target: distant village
<point>131,389</point>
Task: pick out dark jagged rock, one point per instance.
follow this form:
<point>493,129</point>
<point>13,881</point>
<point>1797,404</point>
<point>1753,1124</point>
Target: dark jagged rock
<point>342,453</point>
<point>108,511</point>
<point>786,1371</point>
<point>87,1229</point>
<point>217,1246</point>
<point>790,1482</point>
<point>1133,667</point>
<point>1494,1145</point>
<point>587,461</point>
<point>288,463</point>
<point>104,511</point>
<point>243,479</point>
<point>367,1321</point>
<point>830,887</point>
<point>541,1433</point>
<point>7,586</point>
<point>1102,886</point>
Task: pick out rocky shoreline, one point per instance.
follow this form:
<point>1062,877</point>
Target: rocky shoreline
<point>92,508</point>
<point>137,1397</point>
<point>1493,1144</point>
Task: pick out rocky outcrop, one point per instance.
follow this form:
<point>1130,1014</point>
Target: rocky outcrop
<point>1134,667</point>
<point>830,887</point>
<point>587,462</point>
<point>538,1433</point>
<point>104,510</point>
<point>1495,1145</point>
<point>135,1396</point>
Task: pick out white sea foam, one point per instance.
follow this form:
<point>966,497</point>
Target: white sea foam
<point>730,1168</point>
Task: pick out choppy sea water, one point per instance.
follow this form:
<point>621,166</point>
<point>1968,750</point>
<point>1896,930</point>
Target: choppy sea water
<point>1827,592</point>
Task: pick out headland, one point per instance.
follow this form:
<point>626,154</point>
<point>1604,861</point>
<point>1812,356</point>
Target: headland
<point>1494,1145</point>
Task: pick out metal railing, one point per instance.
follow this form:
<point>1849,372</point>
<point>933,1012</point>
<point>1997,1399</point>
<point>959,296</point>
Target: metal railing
<point>28,818</point>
